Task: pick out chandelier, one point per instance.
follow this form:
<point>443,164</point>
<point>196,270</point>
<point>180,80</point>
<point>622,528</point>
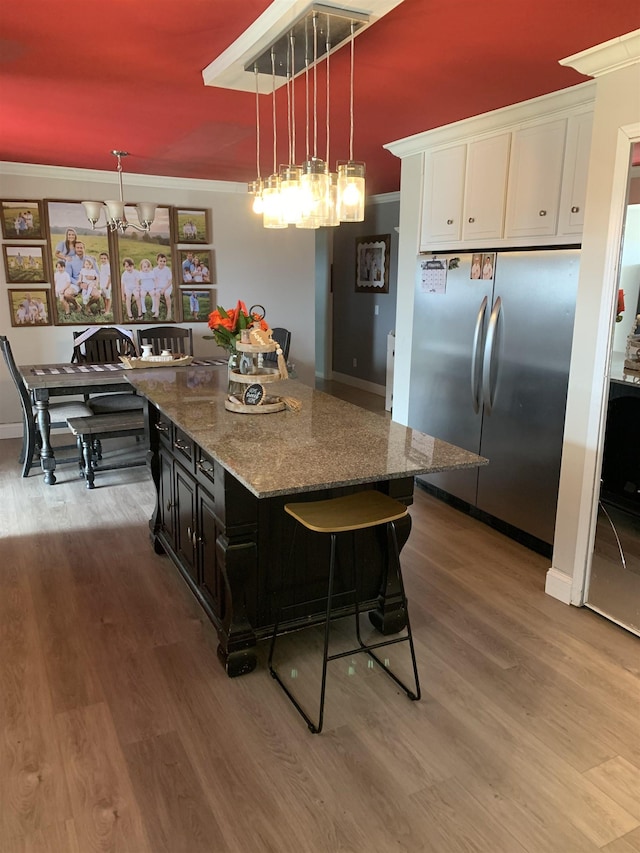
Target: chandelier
<point>114,209</point>
<point>309,194</point>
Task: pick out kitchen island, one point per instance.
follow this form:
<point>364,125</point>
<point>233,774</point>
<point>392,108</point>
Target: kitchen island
<point>222,480</point>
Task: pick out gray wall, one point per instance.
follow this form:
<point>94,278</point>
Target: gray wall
<point>357,331</point>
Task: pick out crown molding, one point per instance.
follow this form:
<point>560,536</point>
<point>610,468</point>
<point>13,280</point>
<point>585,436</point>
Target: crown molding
<point>36,170</point>
<point>609,56</point>
<point>579,97</point>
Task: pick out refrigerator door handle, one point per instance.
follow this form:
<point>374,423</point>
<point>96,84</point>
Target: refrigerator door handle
<point>488,392</point>
<point>476,364</point>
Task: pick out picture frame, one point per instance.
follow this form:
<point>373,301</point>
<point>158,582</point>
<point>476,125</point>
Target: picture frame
<point>22,220</point>
<point>195,267</point>
<point>153,298</point>
<point>372,263</point>
<point>191,225</point>
<point>68,227</point>
<point>197,304</point>
<point>29,307</point>
<point>25,264</point>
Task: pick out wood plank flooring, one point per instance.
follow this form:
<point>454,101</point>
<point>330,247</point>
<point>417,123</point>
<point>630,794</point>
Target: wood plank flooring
<point>119,730</point>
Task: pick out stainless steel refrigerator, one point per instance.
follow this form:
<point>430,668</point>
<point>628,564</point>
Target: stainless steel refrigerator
<point>489,372</point>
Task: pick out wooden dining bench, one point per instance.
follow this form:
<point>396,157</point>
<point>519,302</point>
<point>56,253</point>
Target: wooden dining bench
<point>92,428</point>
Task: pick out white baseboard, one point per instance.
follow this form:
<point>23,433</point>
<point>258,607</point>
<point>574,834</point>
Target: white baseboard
<point>558,585</point>
<point>362,384</point>
<point>10,431</point>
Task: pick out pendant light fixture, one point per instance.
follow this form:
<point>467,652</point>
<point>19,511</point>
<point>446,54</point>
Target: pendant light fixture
<point>351,186</point>
<point>307,194</point>
<point>114,209</point>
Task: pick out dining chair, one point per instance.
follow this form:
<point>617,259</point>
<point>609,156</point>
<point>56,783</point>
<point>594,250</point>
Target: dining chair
<point>174,338</point>
<point>283,339</point>
<point>105,346</point>
<point>58,411</point>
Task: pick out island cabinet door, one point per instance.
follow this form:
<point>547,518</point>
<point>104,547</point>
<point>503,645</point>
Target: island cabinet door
<point>211,579</point>
<point>186,521</point>
<point>166,496</point>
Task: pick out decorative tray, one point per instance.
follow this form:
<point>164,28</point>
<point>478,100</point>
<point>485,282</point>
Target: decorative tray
<point>131,362</point>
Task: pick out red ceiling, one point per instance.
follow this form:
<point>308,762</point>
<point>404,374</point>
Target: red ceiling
<point>80,78</point>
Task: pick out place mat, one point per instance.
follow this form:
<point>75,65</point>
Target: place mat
<point>76,368</point>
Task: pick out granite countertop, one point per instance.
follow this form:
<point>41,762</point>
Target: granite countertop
<point>328,443</point>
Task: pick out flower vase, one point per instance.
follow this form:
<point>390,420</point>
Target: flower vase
<point>234,387</point>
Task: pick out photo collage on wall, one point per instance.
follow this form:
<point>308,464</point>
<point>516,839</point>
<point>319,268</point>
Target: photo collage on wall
<point>60,270</point>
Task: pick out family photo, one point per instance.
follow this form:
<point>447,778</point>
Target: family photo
<point>144,278</point>
<point>191,226</point>
<point>195,266</point>
<point>29,308</point>
<point>81,259</point>
<point>24,264</point>
<point>196,305</point>
<point>22,220</point>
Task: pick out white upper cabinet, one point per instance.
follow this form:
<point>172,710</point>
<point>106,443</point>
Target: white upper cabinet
<point>443,190</point>
<point>486,187</point>
<point>574,184</point>
<point>535,180</point>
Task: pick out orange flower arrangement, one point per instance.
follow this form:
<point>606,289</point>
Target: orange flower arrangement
<point>227,324</point>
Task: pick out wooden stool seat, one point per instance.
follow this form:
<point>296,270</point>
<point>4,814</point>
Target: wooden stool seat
<point>351,512</point>
<point>336,517</point>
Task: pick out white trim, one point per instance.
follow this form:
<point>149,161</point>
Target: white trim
<point>580,97</point>
<point>362,384</point>
<point>606,57</point>
<point>10,431</point>
<point>384,198</point>
<point>33,170</point>
<point>558,585</point>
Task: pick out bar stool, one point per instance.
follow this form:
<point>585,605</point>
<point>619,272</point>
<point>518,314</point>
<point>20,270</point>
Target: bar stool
<point>338,516</point>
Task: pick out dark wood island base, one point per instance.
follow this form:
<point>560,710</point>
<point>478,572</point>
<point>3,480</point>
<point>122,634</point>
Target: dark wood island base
<point>222,480</point>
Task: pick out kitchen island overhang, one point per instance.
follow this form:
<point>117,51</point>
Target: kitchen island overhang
<point>222,479</point>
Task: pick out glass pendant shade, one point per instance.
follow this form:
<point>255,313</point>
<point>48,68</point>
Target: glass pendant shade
<point>115,211</point>
<point>332,203</point>
<point>255,189</point>
<point>291,194</point>
<point>272,215</point>
<point>315,183</point>
<point>350,206</point>
<point>93,209</point>
<point>146,212</point>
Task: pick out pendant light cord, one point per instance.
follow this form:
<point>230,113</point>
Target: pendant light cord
<point>328,48</point>
<point>351,93</point>
<point>255,71</point>
<point>315,84</point>
<point>273,97</point>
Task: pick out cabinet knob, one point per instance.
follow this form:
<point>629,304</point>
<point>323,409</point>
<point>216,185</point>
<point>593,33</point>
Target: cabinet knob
<point>575,209</point>
<point>449,221</point>
<point>472,219</point>
<point>542,213</point>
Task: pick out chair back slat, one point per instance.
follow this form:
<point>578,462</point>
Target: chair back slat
<point>283,338</point>
<point>105,346</point>
<point>174,338</point>
<point>25,399</point>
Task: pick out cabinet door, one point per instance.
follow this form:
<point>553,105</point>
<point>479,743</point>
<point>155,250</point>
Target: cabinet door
<point>442,194</point>
<point>166,500</point>
<point>185,534</point>
<point>576,167</point>
<point>486,187</point>
<point>535,177</point>
<point>211,575</point>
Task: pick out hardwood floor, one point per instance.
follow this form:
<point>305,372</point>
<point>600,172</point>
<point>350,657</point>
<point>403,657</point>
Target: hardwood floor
<point>120,731</point>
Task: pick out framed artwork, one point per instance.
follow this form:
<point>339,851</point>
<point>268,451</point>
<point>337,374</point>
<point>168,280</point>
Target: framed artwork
<point>29,308</point>
<point>191,226</point>
<point>197,304</point>
<point>81,262</point>
<point>195,266</point>
<point>22,220</point>
<point>372,264</point>
<point>144,278</point>
<point>24,264</point>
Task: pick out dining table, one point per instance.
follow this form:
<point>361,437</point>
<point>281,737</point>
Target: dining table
<point>44,381</point>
